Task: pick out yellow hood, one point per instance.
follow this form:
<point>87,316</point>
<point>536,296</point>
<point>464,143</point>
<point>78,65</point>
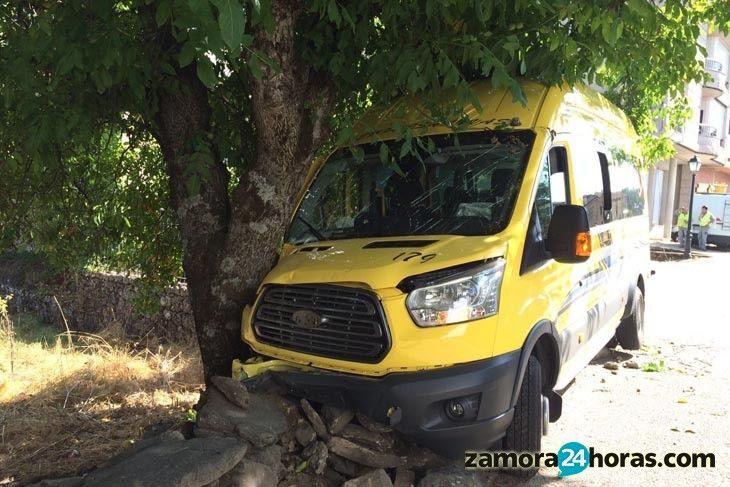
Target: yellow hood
<point>379,263</point>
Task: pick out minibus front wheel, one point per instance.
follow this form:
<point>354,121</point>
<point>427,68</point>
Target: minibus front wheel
<point>630,333</point>
<point>525,432</point>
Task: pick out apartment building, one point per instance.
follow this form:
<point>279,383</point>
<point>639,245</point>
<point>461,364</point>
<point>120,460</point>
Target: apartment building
<point>706,135</point>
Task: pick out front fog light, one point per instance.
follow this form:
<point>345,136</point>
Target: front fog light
<point>454,410</point>
<point>462,408</point>
<point>461,298</point>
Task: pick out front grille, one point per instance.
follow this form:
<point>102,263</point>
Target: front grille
<point>352,325</point>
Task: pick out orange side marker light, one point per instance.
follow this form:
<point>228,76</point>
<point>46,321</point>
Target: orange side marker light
<point>583,244</point>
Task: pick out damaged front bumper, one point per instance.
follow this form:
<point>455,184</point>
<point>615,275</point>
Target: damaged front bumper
<point>450,410</point>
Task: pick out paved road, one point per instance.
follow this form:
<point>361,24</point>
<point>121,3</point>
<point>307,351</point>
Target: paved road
<point>683,408</point>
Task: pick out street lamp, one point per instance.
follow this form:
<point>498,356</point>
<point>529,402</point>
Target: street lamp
<point>694,167</point>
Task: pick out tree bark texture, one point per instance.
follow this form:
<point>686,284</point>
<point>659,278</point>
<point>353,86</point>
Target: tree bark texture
<point>230,241</point>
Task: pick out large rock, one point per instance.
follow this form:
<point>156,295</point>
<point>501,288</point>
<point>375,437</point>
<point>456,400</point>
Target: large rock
<point>376,478</point>
<point>290,408</point>
<point>304,433</point>
<point>260,468</point>
<point>140,445</point>
<point>336,418</point>
<point>333,476</point>
<point>232,389</point>
<point>362,455</point>
<point>191,463</point>
<point>316,455</point>
<point>261,424</point>
<point>361,436</point>
<point>418,458</point>
<point>346,467</point>
<point>316,420</point>
<point>271,456</point>
<point>404,478</point>
<point>370,424</point>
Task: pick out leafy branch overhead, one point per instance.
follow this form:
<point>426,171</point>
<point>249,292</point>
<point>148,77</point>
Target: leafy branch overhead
<point>150,134</point>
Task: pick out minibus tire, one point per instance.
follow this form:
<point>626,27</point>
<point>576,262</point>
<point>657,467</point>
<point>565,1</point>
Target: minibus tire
<point>525,432</point>
<point>630,333</point>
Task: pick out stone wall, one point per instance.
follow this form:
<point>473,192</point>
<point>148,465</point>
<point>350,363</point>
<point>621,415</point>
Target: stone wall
<point>93,301</point>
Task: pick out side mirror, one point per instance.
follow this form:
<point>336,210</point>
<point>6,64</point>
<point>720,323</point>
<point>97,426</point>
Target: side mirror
<point>569,236</point>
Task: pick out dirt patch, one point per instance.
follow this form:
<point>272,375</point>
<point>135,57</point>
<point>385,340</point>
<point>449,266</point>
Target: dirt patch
<point>70,401</point>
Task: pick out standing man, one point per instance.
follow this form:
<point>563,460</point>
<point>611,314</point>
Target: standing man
<point>682,221</point>
<point>704,220</point>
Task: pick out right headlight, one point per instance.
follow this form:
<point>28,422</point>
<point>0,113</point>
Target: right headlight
<point>464,298</point>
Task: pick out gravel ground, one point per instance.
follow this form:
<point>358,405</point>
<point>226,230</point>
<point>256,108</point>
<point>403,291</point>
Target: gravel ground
<point>682,408</point>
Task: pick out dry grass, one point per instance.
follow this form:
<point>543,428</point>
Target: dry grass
<point>70,401</point>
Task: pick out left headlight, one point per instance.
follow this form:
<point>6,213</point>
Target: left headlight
<point>458,299</point>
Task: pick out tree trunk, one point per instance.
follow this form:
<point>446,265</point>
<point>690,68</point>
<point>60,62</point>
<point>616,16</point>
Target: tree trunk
<point>289,107</point>
<point>183,121</point>
<point>229,244</point>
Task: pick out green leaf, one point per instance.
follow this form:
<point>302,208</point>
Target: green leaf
<point>451,78</point>
<point>344,136</point>
<point>348,18</point>
<point>232,21</point>
<point>619,29</point>
<point>167,69</point>
<point>333,12</point>
<point>206,73</point>
<point>554,43</point>
<point>164,12</point>
<point>641,7</point>
<point>187,54</point>
<point>255,66</point>
<point>596,23</point>
<point>405,148</point>
<point>384,153</point>
<point>607,31</point>
<point>262,14</point>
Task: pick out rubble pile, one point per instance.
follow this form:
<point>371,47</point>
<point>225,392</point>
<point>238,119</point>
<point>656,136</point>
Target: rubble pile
<point>244,439</point>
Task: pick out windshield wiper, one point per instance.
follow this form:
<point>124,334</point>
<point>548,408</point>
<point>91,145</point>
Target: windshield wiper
<point>312,229</point>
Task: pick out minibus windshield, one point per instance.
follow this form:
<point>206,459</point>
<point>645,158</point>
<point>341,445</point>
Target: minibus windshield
<point>463,184</point>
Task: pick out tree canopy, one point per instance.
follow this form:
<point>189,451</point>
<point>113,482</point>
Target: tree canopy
<point>146,134</point>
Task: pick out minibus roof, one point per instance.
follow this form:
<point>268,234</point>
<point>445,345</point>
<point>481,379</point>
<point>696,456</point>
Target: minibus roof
<point>498,109</point>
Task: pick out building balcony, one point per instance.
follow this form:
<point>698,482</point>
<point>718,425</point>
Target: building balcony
<point>709,140</point>
<point>717,85</point>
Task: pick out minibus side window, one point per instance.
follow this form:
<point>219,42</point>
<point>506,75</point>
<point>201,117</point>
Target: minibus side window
<point>593,185</point>
<point>552,191</point>
<point>627,196</point>
<point>552,186</point>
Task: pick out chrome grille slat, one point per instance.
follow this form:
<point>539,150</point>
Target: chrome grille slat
<point>331,318</point>
<point>356,306</point>
<point>295,305</point>
<point>353,326</point>
<point>321,331</point>
<point>320,340</point>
